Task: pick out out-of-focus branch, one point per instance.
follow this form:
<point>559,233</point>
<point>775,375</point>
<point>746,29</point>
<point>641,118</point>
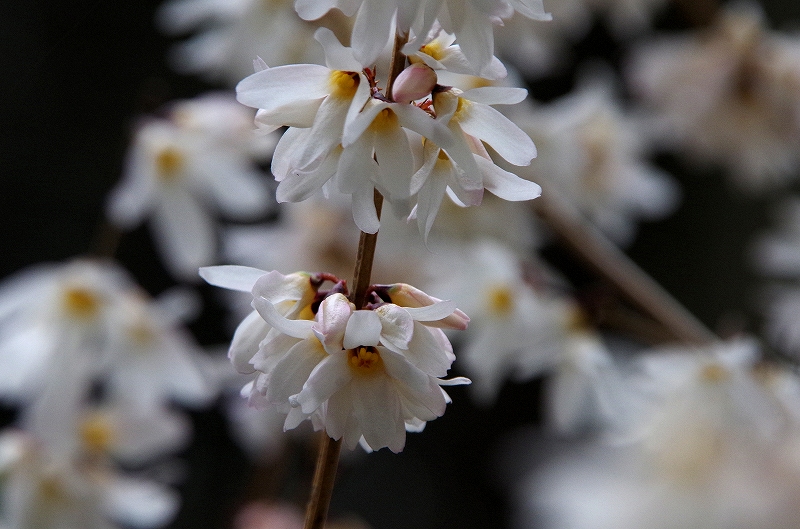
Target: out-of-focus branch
<point>593,248</point>
<point>699,13</point>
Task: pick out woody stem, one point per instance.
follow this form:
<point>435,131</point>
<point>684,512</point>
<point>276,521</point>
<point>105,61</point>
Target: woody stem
<point>328,457</point>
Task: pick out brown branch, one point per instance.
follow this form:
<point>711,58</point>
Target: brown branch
<point>592,247</point>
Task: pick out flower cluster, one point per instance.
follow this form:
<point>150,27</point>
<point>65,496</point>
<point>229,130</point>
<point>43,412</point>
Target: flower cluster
<point>363,375</point>
<point>412,145</point>
<point>91,363</point>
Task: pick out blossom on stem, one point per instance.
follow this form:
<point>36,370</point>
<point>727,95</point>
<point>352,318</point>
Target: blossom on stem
<point>368,373</point>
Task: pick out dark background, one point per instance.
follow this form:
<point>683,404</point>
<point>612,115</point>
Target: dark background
<point>73,77</point>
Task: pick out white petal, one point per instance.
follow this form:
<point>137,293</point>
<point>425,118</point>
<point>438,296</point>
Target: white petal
<point>332,317</point>
<point>184,233</point>
<point>364,213</point>
<point>139,503</point>
<point>297,186</point>
<point>363,328</point>
<point>296,328</point>
<point>246,340</point>
<point>283,86</point>
<point>397,326</point>
<point>494,128</point>
<point>506,185</point>
<point>292,371</point>
<point>337,57</point>
<point>372,30</point>
<point>234,277</point>
<point>327,378</point>
<point>496,95</point>
<point>376,406</point>
<point>436,311</point>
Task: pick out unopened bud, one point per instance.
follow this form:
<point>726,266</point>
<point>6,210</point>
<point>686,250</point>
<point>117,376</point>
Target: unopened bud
<point>415,82</point>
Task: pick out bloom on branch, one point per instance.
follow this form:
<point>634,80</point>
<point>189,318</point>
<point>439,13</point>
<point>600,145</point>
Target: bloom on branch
<point>371,373</point>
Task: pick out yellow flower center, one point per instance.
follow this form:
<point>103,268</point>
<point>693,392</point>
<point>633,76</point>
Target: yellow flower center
<point>433,49</point>
<point>169,163</point>
<point>81,302</point>
<point>385,119</point>
<point>344,84</point>
<point>364,359</point>
<point>463,106</point>
<point>501,299</point>
<point>96,433</point>
<point>714,373</point>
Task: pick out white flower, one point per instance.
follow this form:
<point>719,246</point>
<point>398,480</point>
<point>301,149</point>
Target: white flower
<point>710,450</point>
<point>152,359</point>
<point>45,492</point>
<point>353,372</point>
<point>471,21</point>
<point>727,96</point>
<point>515,330</point>
<point>593,154</point>
<point>55,323</point>
<point>462,164</point>
<point>180,169</point>
<point>229,34</point>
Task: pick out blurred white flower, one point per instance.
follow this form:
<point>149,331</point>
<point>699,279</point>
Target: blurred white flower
<point>516,331</point>
<point>55,324</point>
<point>727,95</point>
<point>710,449</point>
<point>65,328</point>
<point>776,254</point>
<point>229,34</point>
<point>152,359</point>
<point>44,492</point>
<point>184,170</point>
<point>594,154</point>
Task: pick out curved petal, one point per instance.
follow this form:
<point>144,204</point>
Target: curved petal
<point>328,377</point>
<point>506,185</point>
<point>332,317</point>
<point>233,277</point>
<point>489,125</point>
<point>337,57</point>
<point>363,328</point>
<point>283,86</point>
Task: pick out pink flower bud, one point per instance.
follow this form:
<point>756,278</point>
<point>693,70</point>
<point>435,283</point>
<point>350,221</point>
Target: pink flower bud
<point>413,83</point>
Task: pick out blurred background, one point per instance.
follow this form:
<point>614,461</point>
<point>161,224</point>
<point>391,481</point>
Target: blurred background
<point>75,78</point>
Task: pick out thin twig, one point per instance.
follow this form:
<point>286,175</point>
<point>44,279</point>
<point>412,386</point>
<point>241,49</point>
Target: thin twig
<point>328,458</point>
<point>610,262</point>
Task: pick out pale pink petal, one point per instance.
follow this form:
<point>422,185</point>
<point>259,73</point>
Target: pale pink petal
<point>332,317</point>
